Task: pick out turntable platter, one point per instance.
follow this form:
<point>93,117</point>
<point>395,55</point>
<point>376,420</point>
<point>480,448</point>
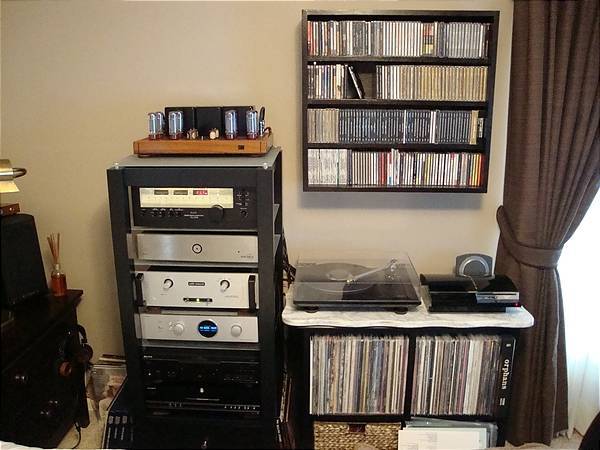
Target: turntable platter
<point>334,277</point>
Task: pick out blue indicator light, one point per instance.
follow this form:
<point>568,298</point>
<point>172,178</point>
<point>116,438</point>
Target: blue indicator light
<point>207,328</point>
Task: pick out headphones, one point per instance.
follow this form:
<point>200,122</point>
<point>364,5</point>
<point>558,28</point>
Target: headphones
<point>73,349</point>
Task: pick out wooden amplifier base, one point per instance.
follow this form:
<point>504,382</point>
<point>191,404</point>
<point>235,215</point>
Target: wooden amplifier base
<point>162,147</point>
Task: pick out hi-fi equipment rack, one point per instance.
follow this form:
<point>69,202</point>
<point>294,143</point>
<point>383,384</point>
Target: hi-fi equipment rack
<point>198,254</point>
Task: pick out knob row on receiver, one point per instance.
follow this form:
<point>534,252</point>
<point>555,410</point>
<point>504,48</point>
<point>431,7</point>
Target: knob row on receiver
<point>233,328</point>
<point>168,284</point>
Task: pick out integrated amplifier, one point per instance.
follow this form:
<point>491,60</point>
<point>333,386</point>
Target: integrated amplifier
<point>213,248</point>
<point>218,328</point>
<point>225,381</point>
<point>226,208</point>
<point>187,289</point>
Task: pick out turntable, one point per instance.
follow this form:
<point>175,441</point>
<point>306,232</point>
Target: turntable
<point>353,284</point>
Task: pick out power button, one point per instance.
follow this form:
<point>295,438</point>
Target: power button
<point>197,248</point>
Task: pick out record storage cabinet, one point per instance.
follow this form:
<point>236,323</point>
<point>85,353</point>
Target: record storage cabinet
<point>188,430</point>
<point>365,64</point>
<point>300,370</point>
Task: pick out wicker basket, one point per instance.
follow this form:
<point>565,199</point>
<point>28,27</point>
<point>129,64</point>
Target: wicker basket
<point>344,435</point>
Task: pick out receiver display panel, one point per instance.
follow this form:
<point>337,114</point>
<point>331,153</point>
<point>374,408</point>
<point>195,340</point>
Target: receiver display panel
<point>186,197</point>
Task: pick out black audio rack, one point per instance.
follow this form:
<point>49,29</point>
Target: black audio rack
<point>262,176</point>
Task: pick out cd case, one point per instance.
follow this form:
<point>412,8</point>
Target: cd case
<point>356,283</point>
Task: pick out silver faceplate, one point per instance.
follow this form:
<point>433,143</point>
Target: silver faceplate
<point>195,248</point>
<point>221,290</point>
<point>180,327</point>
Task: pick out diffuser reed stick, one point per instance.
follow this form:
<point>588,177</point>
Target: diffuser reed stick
<point>58,280</point>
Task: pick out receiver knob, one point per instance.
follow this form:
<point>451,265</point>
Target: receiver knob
<point>236,330</point>
<point>167,284</point>
<point>178,328</point>
<point>216,213</point>
<point>224,285</point>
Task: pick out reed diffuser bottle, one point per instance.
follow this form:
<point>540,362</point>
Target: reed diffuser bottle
<point>58,280</point>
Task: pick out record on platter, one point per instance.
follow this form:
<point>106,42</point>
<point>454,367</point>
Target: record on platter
<point>334,277</point>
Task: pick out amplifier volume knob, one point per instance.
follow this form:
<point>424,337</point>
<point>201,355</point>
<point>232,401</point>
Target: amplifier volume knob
<point>224,285</point>
<point>216,213</point>
<point>236,330</point>
<point>167,284</point>
<point>178,328</point>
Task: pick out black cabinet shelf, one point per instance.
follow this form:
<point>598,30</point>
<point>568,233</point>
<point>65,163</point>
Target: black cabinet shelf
<point>379,102</point>
<point>331,188</point>
<point>301,338</point>
<point>437,148</point>
<point>422,60</point>
<point>365,67</point>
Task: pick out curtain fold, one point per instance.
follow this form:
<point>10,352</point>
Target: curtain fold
<point>552,174</point>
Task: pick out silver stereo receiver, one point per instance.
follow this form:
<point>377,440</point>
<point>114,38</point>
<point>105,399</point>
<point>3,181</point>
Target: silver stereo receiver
<point>180,327</point>
<point>229,248</point>
<point>186,289</point>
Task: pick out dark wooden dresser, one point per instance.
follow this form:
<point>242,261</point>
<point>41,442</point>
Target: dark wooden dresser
<point>43,390</point>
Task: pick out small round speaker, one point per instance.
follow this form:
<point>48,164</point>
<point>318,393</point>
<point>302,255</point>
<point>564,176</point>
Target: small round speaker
<point>473,265</point>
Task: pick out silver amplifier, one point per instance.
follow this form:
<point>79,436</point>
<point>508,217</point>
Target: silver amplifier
<point>226,290</point>
<point>179,327</point>
<point>229,248</point>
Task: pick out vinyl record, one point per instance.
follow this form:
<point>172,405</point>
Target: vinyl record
<point>333,277</point>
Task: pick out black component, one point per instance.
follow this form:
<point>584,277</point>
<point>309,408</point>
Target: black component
<point>189,116</point>
<point>221,381</point>
<point>23,274</point>
<point>207,118</point>
<point>450,293</point>
<point>241,217</point>
<point>241,117</point>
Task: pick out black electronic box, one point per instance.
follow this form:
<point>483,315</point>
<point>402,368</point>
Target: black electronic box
<point>232,208</point>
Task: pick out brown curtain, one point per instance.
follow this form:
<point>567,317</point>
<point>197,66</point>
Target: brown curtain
<point>552,175</point>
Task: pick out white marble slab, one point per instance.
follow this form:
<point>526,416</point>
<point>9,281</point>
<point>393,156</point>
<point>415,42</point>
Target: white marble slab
<point>415,318</point>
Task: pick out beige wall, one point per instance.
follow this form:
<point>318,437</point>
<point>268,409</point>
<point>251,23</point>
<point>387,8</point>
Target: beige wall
<point>79,77</point>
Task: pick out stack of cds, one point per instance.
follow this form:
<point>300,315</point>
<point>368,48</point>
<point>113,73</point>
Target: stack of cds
<point>346,167</point>
<point>395,126</point>
<point>446,83</point>
<point>397,38</point>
